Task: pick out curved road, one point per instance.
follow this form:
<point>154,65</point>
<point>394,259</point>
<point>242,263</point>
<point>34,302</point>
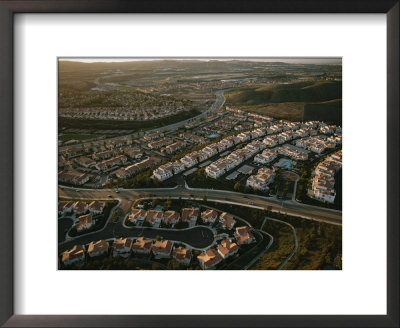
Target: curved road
<point>290,207</point>
<point>198,237</point>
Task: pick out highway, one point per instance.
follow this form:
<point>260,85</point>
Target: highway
<point>127,196</point>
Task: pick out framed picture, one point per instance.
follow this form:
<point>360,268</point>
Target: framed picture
<point>182,164</point>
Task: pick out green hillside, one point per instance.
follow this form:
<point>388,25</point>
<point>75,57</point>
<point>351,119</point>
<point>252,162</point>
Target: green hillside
<point>294,92</point>
<point>329,111</point>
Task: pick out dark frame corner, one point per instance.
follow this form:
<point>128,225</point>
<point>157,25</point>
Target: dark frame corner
<point>10,7</point>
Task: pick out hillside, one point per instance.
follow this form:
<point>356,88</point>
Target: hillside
<point>309,100</point>
<point>329,111</point>
<point>294,92</point>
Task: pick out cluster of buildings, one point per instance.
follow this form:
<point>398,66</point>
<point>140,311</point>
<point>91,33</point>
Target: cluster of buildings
<point>73,177</point>
<point>261,180</point>
<point>128,171</point>
<point>275,134</point>
<point>174,147</point>
<point>134,106</point>
<point>79,207</point>
<point>155,217</point>
<point>84,212</point>
<point>124,247</point>
<point>293,152</point>
<point>226,220</point>
<point>210,258</point>
<point>235,158</point>
<point>318,144</point>
<point>188,215</point>
<point>97,149</point>
<point>267,156</point>
<point>159,143</point>
<point>323,181</point>
<point>103,156</point>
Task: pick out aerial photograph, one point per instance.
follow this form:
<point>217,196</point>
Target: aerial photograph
<point>199,163</point>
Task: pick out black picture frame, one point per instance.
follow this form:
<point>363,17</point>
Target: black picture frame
<point>7,200</point>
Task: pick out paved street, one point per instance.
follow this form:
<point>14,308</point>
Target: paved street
<point>289,206</point>
<point>198,237</point>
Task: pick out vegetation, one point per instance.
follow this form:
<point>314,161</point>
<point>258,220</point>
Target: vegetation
<point>199,179</point>
<point>78,137</point>
<point>320,244</point>
<point>328,111</point>
<point>321,100</point>
<point>118,263</point>
<point>295,92</point>
<point>91,124</point>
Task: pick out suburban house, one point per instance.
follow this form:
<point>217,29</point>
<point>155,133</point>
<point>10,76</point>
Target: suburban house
<point>209,216</point>
<point>96,207</point>
<point>157,144</point>
<point>84,222</point>
<point>118,160</point>
<point>132,152</point>
<point>261,180</point>
<point>74,256</point>
<point>85,161</point>
<point>178,167</point>
<point>142,246</point>
<point>162,248</point>
<point>75,178</point>
<point>215,170</point>
<point>164,172</point>
<point>98,248</point>
<point>170,149</point>
<point>227,220</point>
<point>80,207</point>
<point>182,255</point>
<point>190,215</point>
<point>122,247</point>
<point>152,136</point>
<point>323,183</point>
<point>171,217</point>
<point>189,160</point>
<point>226,248</point>
<point>65,207</point>
<point>209,259</point>
<point>137,214</point>
<point>154,217</point>
<point>266,156</point>
<point>243,235</point>
<point>103,155</point>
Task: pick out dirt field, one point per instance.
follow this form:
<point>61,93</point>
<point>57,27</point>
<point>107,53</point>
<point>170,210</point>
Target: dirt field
<point>291,111</point>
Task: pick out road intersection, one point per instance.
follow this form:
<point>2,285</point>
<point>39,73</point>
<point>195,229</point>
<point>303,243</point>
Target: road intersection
<point>127,196</point>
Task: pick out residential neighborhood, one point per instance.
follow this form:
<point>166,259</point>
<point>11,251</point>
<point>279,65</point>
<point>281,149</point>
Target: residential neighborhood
<point>200,164</point>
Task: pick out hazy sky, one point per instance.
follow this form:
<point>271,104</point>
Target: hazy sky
<point>316,60</point>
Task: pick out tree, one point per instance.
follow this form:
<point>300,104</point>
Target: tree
<point>236,187</point>
<point>205,198</point>
<point>168,204</point>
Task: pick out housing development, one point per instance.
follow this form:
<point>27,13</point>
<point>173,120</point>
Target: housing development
<point>199,164</point>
